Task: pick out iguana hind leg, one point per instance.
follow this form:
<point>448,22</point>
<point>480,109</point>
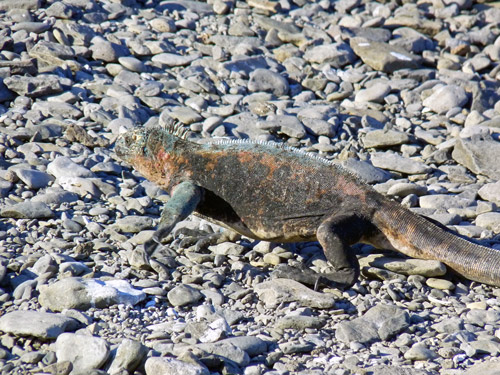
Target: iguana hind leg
<point>336,234</point>
<point>185,198</point>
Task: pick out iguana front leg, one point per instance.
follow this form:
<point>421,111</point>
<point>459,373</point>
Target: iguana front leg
<point>185,197</point>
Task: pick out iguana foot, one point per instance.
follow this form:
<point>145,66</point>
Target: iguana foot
<point>201,240</point>
<point>339,279</point>
<point>152,244</point>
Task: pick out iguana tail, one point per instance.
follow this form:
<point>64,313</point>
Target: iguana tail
<point>418,237</point>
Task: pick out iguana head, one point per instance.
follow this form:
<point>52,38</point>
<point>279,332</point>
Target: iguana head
<point>153,152</point>
<point>131,144</point>
<point>147,142</point>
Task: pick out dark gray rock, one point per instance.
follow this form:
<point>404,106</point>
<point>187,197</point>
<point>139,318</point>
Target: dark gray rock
<point>379,323</point>
<point>34,87</point>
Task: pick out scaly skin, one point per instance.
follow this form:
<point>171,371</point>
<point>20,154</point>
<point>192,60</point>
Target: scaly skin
<point>277,193</point>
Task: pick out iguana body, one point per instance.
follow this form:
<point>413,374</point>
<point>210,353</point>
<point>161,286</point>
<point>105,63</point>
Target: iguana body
<point>276,193</point>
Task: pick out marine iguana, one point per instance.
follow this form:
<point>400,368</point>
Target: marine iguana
<point>272,192</point>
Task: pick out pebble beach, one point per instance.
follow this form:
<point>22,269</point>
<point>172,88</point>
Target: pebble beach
<point>406,95</point>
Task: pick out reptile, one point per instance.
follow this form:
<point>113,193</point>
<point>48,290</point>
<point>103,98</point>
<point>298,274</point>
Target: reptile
<point>273,192</point>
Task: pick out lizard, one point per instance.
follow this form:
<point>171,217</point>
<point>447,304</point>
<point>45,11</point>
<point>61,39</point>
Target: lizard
<point>273,192</point>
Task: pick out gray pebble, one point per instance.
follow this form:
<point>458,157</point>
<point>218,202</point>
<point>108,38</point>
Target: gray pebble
<point>34,179</point>
<point>36,324</point>
<point>489,220</point>
<point>427,268</point>
<point>81,294</point>
<point>445,98</point>
<point>27,210</point>
<point>300,322</point>
<point>267,80</point>
<point>132,63</point>
<point>375,93</point>
<point>470,153</point>
<point>379,323</point>
<point>128,356</point>
<point>385,138</point>
<point>491,192</point>
<point>383,56</point>
<point>31,27</point>
<point>56,197</point>
<point>133,224</point>
<point>107,51</point>
<point>65,167</point>
<point>276,291</point>
<point>172,366</point>
<point>183,295</point>
<point>171,59</point>
<point>84,352</point>
<point>366,171</point>
<point>398,163</point>
<point>288,125</point>
<point>337,54</point>
<point>420,352</point>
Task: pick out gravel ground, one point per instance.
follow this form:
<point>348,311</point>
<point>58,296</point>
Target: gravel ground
<point>405,95</point>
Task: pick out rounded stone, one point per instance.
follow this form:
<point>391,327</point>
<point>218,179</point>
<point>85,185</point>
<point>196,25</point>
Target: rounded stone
<point>440,284</point>
<point>268,81</point>
<point>183,295</point>
<point>445,98</point>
